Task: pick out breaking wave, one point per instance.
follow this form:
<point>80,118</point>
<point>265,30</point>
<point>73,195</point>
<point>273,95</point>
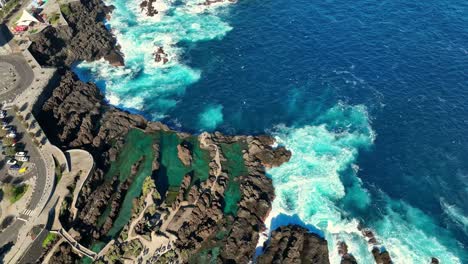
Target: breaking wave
<point>145,84</point>
<point>320,185</point>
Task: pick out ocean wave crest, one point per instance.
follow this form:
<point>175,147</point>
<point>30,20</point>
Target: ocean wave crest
<point>320,183</point>
<point>153,78</point>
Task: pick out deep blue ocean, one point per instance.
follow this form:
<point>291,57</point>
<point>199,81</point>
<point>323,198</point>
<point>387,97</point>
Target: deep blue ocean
<point>370,96</point>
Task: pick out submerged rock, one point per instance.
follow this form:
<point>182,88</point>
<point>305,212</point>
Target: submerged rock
<point>184,153</point>
<point>381,256</point>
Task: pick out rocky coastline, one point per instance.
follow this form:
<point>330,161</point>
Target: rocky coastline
<point>76,115</point>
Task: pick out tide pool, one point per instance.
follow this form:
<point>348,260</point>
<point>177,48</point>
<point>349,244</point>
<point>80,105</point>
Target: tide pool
<point>369,96</point>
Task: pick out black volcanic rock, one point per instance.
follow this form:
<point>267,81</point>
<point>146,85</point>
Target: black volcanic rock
<point>85,39</point>
<point>294,244</point>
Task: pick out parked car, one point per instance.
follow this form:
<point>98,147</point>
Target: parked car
<point>10,128</point>
<point>3,113</point>
<point>23,158</point>
<point>15,167</point>
<point>11,162</point>
<point>4,124</point>
<point>11,135</point>
<point>20,154</point>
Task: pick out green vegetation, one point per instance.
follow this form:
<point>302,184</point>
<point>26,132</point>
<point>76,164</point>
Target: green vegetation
<point>58,171</point>
<point>10,151</point>
<point>8,141</point>
<point>49,239</point>
<point>235,166</point>
<point>8,8</point>
<point>54,18</point>
<point>65,9</point>
<point>14,192</point>
<point>209,255</point>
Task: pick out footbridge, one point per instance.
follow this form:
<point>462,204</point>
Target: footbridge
<point>76,246</point>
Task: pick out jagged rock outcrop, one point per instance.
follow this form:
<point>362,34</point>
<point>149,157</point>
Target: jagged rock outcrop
<point>76,116</point>
<point>294,244</point>
<point>346,257</point>
<point>184,153</point>
<point>147,6</point>
<point>86,37</point>
<point>381,256</point>
<point>64,255</point>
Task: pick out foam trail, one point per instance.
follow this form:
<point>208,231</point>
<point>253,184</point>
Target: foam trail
<point>144,84</point>
<point>211,117</point>
<point>321,180</point>
<point>455,214</point>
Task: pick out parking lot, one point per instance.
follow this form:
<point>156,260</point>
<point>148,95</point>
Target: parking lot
<point>23,165</point>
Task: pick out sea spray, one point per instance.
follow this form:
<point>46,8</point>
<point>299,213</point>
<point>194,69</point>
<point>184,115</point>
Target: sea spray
<point>143,84</point>
<point>211,117</point>
<point>320,186</point>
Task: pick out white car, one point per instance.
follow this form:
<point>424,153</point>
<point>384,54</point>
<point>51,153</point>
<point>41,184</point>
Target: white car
<point>20,154</point>
<point>11,162</point>
<point>23,158</point>
<point>11,135</point>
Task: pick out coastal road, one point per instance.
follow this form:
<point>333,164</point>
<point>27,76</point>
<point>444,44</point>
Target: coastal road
<point>40,170</point>
<point>25,73</point>
<point>11,233</point>
<point>25,77</point>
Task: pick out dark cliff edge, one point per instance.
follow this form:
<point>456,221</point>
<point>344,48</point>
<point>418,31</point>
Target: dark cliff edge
<point>74,114</point>
<point>294,244</point>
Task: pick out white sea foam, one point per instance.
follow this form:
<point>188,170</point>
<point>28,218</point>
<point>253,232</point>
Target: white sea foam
<point>455,214</point>
<point>211,117</point>
<point>144,84</point>
<point>311,186</point>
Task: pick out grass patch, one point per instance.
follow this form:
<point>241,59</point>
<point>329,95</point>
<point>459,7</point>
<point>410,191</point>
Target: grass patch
<point>49,239</point>
<point>58,171</point>
<point>65,9</point>
<point>54,18</point>
<point>15,192</point>
<point>8,8</point>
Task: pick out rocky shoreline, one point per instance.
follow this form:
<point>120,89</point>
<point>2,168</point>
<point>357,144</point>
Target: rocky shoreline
<point>76,116</point>
<point>195,221</point>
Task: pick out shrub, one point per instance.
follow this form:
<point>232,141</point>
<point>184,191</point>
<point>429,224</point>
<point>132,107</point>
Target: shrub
<point>14,192</point>
<point>51,237</point>
<point>10,151</point>
<point>54,18</point>
<point>65,9</point>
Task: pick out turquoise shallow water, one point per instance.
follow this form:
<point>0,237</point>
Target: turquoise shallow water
<point>370,96</point>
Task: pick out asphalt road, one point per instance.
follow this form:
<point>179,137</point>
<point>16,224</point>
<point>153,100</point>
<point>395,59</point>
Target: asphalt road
<point>33,153</point>
<point>26,78</point>
<point>24,71</point>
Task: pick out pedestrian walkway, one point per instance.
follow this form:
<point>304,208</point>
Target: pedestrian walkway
<point>27,212</point>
